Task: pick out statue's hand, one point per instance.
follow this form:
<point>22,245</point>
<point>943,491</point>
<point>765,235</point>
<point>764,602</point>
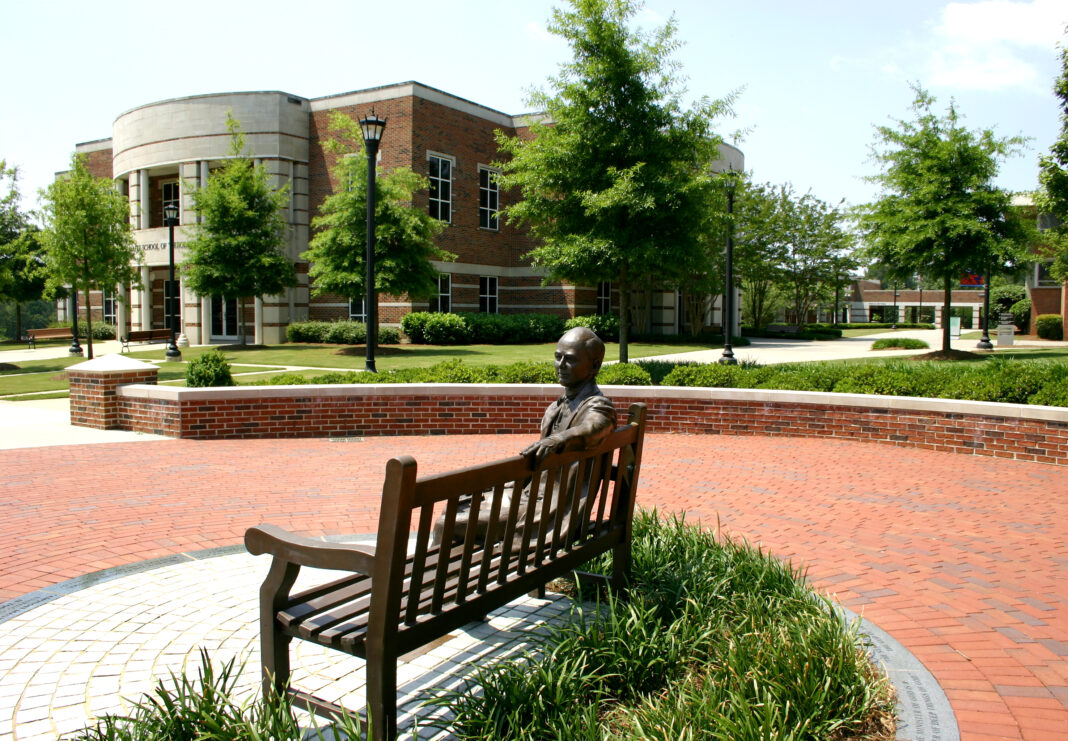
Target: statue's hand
<point>537,451</point>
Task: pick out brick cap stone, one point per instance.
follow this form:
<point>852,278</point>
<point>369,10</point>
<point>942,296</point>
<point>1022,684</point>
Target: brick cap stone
<point>112,363</point>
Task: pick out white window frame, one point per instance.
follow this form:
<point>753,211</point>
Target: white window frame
<point>488,302</point>
<point>489,199</point>
<point>176,199</point>
<point>435,201</point>
<point>444,282</point>
<point>107,304</point>
<point>1048,282</point>
<point>604,298</point>
<point>358,310</point>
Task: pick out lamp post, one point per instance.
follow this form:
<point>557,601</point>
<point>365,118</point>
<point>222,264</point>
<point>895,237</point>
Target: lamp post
<point>727,358</point>
<point>170,218</point>
<point>372,126</point>
<point>895,306</point>
<point>75,350</point>
<point>984,342</point>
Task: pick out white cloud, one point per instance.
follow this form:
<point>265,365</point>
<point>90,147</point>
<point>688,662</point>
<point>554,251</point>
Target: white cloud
<point>1038,23</point>
<point>986,45</point>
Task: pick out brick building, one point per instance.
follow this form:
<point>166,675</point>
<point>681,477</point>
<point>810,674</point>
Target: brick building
<point>159,151</point>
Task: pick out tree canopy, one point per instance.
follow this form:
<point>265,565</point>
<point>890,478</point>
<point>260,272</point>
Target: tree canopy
<point>1053,179</point>
<point>87,238</point>
<point>22,273</point>
<point>238,248</point>
<point>616,184</point>
<point>404,234</point>
<point>939,213</point>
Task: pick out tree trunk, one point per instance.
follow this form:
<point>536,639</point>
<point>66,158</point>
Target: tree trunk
<point>18,322</point>
<point>947,306</point>
<point>624,319</point>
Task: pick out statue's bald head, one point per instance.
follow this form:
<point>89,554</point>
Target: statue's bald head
<point>588,340</point>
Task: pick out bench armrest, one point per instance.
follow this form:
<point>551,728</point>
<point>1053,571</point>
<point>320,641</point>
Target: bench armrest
<point>304,551</point>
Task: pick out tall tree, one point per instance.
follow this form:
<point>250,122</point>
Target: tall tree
<point>1053,179</point>
<point>760,249</point>
<point>87,237</point>
<point>22,274</point>
<point>939,212</point>
<point>238,248</point>
<point>613,184</point>
<point>816,244</point>
<point>404,235</point>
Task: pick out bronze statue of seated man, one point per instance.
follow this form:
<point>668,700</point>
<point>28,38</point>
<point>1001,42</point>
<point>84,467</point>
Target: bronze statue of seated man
<point>579,420</point>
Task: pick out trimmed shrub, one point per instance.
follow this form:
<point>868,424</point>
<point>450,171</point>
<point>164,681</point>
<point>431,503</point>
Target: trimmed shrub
<point>624,374</point>
<point>713,375</point>
<point>512,329</point>
<point>1049,327</point>
<point>307,331</point>
<point>606,326</point>
<point>413,325</point>
<point>659,369</point>
<point>346,333</point>
<point>101,330</point>
<point>338,333</point>
<point>445,329</point>
<point>526,372</point>
<point>210,369</point>
<point>899,343</point>
<point>1003,298</point>
<point>1021,315</point>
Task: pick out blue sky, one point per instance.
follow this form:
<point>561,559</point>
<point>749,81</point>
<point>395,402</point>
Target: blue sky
<point>815,77</point>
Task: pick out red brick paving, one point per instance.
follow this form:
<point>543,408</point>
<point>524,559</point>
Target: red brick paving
<point>962,559</point>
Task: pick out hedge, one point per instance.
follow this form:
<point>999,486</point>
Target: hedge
<point>998,379</point>
<point>1049,327</point>
<point>338,333</point>
<point>429,328</point>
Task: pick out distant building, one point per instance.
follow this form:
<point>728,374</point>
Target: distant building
<point>158,152</point>
<point>869,302</point>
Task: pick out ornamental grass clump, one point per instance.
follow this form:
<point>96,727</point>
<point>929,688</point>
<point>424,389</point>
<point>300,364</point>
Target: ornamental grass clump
<point>715,639</point>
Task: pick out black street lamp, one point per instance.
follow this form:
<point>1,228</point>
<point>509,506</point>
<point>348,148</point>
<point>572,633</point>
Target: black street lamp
<point>895,306</point>
<point>727,358</point>
<point>372,126</point>
<point>170,296</point>
<point>75,349</point>
<point>984,342</point>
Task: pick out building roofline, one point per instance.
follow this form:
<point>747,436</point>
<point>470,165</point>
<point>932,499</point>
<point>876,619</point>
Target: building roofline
<point>297,98</point>
<point>418,90</point>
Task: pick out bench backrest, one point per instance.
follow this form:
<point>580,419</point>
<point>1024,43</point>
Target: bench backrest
<point>43,334</point>
<point>536,524</point>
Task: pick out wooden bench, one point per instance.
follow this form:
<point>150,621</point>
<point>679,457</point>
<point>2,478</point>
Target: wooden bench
<point>398,597</point>
<point>144,335</point>
<point>55,333</point>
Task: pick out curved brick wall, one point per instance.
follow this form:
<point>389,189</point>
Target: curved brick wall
<point>978,428</point>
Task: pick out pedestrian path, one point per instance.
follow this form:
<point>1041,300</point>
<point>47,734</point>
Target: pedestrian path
<point>959,559</point>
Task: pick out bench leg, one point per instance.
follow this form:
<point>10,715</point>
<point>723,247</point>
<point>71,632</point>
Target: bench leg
<point>274,650</point>
<point>382,695</point>
<point>621,567</point>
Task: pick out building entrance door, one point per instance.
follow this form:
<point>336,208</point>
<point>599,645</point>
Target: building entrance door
<point>223,318</point>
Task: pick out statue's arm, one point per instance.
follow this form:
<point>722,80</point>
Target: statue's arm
<point>593,427</point>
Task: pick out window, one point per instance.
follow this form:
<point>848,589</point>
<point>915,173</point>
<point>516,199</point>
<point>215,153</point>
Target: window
<point>487,294</point>
<point>442,303</point>
<point>357,310</point>
<point>488,198</point>
<point>171,194</point>
<point>604,298</point>
<point>109,307</point>
<point>1044,278</point>
<point>440,187</point>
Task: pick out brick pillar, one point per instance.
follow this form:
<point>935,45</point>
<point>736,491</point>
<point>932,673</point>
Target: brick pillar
<point>93,402</point>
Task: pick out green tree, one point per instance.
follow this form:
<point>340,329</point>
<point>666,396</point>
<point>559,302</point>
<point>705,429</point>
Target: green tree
<point>22,274</point>
<point>816,242</point>
<point>238,248</point>
<point>939,213</point>
<point>759,250</point>
<point>87,238</point>
<point>614,185</point>
<point>404,235</point>
<point>1053,180</point>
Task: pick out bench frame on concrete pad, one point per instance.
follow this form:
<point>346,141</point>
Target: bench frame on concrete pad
<point>540,524</point>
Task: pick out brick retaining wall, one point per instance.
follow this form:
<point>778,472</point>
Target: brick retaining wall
<point>976,428</point>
